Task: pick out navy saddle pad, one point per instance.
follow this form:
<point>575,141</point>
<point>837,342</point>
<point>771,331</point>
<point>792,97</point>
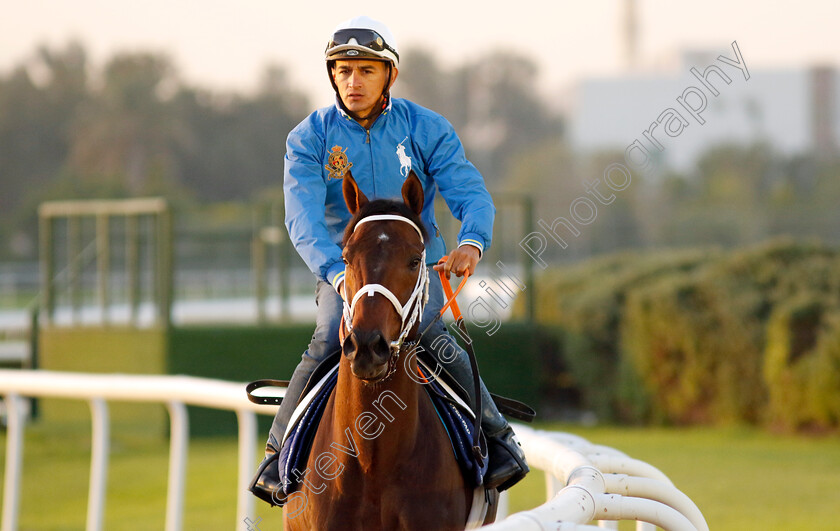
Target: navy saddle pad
<point>453,412</point>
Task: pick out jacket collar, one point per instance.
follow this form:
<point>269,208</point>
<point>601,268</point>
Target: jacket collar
<point>344,114</point>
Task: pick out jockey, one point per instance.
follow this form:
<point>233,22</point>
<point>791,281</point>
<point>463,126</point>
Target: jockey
<point>381,139</point>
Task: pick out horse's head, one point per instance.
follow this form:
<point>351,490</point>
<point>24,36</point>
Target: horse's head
<point>386,283</point>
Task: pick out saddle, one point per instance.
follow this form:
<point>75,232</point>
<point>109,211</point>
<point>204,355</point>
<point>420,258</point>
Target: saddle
<point>450,399</point>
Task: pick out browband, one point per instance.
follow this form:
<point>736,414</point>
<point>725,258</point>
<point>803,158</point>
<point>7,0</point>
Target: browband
<point>389,217</point>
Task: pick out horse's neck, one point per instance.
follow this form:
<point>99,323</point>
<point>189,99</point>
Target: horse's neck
<point>384,419</point>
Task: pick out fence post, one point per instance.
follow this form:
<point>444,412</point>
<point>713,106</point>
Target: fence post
<point>178,440</point>
<point>247,465</point>
<point>98,464</point>
<point>258,271</point>
<point>45,239</point>
<point>283,256</point>
<point>14,462</point>
<point>132,266</point>
<point>165,267</point>
<point>103,265</point>
<point>552,485</point>
<point>74,265</point>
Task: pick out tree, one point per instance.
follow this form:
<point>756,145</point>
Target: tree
<point>129,131</point>
<point>36,117</point>
<point>490,102</point>
<point>239,142</point>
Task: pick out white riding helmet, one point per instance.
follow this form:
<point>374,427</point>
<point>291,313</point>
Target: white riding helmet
<point>362,37</point>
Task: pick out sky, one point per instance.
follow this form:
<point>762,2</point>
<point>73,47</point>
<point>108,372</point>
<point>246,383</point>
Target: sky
<point>225,44</point>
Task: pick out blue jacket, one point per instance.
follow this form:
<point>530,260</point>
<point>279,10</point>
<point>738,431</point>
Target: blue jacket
<point>405,135</point>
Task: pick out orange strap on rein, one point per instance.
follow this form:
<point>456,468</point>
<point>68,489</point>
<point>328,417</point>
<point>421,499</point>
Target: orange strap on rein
<point>447,290</point>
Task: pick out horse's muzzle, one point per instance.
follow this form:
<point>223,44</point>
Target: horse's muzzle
<point>368,352</point>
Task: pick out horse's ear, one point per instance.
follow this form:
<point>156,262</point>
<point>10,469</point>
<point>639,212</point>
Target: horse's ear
<point>412,192</point>
<point>354,197</point>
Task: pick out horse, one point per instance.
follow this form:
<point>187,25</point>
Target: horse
<point>380,458</point>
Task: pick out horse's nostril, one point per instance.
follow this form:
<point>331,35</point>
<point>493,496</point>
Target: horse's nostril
<point>377,346</point>
<point>350,346</point>
<point>366,343</point>
<point>349,349</point>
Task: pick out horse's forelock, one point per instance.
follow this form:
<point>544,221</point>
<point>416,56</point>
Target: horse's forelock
<point>384,206</point>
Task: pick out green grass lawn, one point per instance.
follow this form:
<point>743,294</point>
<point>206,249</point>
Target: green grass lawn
<point>740,478</point>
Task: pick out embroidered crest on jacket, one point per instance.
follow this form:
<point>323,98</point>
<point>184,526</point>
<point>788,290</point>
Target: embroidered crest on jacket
<point>337,163</point>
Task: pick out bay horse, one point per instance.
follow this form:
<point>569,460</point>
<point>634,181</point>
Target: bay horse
<point>381,459</point>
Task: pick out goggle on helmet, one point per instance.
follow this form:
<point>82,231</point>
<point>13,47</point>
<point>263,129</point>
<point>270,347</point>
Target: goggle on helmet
<point>362,37</point>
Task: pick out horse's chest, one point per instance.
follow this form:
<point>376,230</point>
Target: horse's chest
<point>387,479</point>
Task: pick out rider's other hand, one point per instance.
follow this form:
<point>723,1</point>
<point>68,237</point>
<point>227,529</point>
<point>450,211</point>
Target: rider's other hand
<point>461,260</point>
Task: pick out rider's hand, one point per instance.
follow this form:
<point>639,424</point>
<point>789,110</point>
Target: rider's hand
<point>461,260</point>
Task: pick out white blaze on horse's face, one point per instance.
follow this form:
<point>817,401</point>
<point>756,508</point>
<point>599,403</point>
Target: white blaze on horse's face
<point>386,287</point>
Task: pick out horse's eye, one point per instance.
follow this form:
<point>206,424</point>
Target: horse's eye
<point>415,263</point>
<point>345,261</point>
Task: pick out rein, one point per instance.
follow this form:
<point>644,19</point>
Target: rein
<point>452,303</point>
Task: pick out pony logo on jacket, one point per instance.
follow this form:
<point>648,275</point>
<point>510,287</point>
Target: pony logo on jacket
<point>337,163</point>
<point>405,160</point>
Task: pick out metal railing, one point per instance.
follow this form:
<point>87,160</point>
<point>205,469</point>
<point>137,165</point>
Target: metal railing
<point>594,482</point>
<point>587,482</point>
<point>175,391</point>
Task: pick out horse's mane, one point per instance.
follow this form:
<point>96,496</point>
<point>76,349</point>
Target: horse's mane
<point>384,206</point>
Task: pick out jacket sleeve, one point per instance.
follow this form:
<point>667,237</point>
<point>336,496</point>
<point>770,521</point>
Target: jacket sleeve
<point>459,182</point>
<point>305,194</point>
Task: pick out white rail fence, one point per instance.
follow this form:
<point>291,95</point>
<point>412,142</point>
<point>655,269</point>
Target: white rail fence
<point>585,482</point>
<point>174,391</point>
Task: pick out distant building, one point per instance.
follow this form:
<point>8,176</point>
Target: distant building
<point>795,110</point>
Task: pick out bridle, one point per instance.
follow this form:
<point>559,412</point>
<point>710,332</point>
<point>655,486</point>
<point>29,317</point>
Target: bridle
<point>410,313</point>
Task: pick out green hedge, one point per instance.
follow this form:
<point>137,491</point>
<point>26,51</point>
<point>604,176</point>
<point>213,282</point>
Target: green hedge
<point>802,363</point>
<point>586,303</point>
<point>236,353</point>
<point>704,336</point>
<point>698,340</point>
<point>509,361</point>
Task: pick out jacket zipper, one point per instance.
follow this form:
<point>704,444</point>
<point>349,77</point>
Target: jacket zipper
<point>370,153</point>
